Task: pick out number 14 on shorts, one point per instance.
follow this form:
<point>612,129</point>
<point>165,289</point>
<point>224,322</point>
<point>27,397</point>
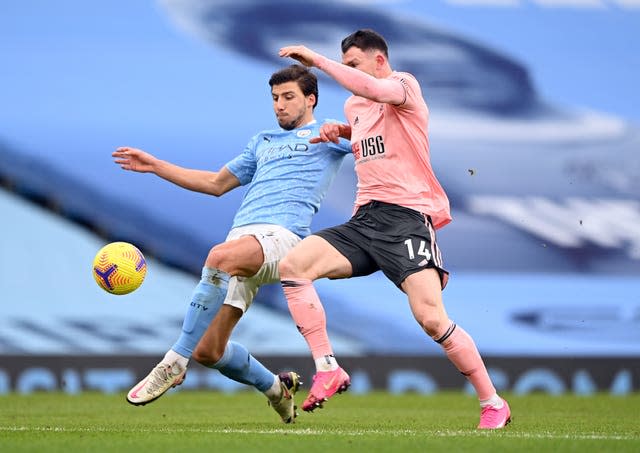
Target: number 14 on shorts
<point>422,250</point>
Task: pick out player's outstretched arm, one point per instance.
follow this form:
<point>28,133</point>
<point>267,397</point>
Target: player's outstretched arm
<point>358,82</point>
<point>209,182</point>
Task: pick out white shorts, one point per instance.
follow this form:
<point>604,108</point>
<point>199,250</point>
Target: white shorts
<point>276,241</point>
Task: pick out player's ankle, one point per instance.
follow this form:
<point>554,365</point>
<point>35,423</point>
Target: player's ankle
<point>495,401</point>
<point>274,393</point>
<point>326,363</point>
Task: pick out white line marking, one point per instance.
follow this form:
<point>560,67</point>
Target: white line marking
<point>507,432</point>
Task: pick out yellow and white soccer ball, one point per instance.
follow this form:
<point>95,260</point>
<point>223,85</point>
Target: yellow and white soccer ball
<point>119,268</point>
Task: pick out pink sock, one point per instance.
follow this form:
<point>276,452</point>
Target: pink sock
<point>308,313</point>
<point>462,351</point>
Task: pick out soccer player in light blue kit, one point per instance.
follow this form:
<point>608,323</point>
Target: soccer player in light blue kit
<point>287,178</point>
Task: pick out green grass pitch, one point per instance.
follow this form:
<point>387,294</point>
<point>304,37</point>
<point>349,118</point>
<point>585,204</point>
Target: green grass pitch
<point>377,422</point>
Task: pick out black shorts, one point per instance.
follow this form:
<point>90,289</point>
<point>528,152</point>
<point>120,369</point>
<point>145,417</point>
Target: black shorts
<point>381,236</point>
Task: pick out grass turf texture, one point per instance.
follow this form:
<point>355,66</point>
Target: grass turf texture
<point>207,421</point>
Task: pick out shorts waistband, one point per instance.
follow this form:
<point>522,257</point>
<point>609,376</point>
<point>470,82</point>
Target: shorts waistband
<point>381,204</point>
<point>376,204</point>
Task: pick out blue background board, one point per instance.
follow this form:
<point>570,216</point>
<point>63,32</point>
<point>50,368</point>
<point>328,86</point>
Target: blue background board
<point>534,134</point>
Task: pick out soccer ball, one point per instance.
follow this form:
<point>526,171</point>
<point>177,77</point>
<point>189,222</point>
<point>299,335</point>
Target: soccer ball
<point>119,268</point>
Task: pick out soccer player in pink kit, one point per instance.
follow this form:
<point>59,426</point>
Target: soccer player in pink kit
<point>399,204</point>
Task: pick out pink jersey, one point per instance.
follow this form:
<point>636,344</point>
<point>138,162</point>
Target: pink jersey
<point>391,150</point>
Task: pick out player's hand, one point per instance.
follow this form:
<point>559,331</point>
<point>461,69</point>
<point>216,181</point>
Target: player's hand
<point>301,53</point>
<point>329,132</point>
<point>332,132</point>
<point>134,159</point>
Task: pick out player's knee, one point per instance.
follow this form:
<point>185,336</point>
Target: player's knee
<point>432,327</point>
<point>207,356</point>
<point>217,259</point>
<point>432,324</point>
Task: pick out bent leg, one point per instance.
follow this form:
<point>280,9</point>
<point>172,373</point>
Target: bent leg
<point>234,361</point>
<point>425,299</point>
<point>242,257</point>
<point>311,259</point>
<point>230,358</point>
<point>238,257</point>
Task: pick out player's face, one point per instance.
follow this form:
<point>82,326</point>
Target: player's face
<point>291,106</point>
<point>364,61</point>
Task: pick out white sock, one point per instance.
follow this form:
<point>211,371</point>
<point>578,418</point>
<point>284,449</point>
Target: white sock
<point>172,357</point>
<point>326,363</point>
<point>494,401</point>
<point>274,393</point>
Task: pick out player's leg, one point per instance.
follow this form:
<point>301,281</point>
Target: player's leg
<point>317,257</point>
<point>313,258</point>
<point>405,249</point>
<point>425,298</point>
<point>233,360</point>
<point>241,256</point>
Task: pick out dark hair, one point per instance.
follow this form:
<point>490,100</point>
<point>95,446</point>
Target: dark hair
<point>306,80</point>
<point>365,39</point>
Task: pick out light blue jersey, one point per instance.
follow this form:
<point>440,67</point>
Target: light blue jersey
<point>287,176</point>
